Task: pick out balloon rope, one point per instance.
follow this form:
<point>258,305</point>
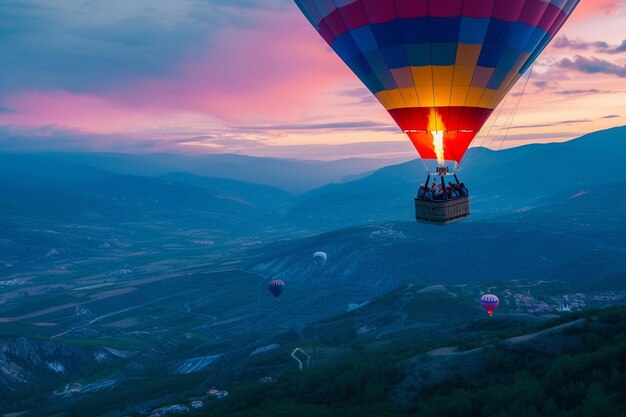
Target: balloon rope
<point>425,167</point>
<point>464,162</point>
<point>509,121</point>
<point>530,74</point>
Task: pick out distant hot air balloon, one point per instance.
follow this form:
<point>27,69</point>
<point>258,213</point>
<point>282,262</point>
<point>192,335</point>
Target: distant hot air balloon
<point>276,287</point>
<point>489,303</point>
<point>439,67</point>
<point>320,258</point>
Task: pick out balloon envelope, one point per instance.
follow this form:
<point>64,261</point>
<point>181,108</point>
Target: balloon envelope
<point>320,258</point>
<point>438,65</point>
<point>276,287</point>
<point>489,303</point>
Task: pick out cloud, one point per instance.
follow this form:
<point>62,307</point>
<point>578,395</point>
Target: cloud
<point>79,50</point>
<point>621,48</point>
<point>551,124</point>
<point>57,138</point>
<point>583,92</point>
<point>358,125</point>
<point>252,73</point>
<point>592,66</point>
<point>215,59</point>
<point>93,46</point>
<point>538,137</point>
<point>53,138</point>
<point>564,42</point>
<point>547,83</point>
<point>598,7</point>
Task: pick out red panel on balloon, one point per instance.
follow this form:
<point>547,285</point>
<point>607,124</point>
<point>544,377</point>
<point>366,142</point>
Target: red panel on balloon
<point>455,144</point>
<point>459,124</point>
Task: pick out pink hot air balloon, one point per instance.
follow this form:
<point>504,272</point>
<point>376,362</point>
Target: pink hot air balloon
<point>489,303</point>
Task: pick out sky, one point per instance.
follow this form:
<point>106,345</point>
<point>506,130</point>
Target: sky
<point>253,77</point>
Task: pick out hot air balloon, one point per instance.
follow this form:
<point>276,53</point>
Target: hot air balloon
<point>440,68</point>
<point>276,287</point>
<point>320,258</point>
<point>489,303</point>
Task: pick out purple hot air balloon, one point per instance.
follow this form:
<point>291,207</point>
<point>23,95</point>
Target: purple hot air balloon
<point>489,302</point>
<point>276,287</point>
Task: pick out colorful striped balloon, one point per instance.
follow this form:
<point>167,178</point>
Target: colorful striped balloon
<point>438,66</point>
<point>489,303</point>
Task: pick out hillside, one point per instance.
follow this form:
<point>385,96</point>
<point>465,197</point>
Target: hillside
<point>537,243</point>
<point>293,175</point>
<point>568,370</point>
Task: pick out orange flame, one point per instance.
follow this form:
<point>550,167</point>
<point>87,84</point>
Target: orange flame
<point>437,128</point>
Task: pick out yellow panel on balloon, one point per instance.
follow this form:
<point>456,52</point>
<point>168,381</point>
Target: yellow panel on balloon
<point>426,96</point>
<point>442,76</point>
<point>410,98</point>
<point>467,54</point>
<point>473,97</point>
<point>485,100</point>
<point>442,96</point>
<point>422,76</point>
<point>462,75</point>
<point>396,99</point>
<point>383,98</point>
<point>459,94</point>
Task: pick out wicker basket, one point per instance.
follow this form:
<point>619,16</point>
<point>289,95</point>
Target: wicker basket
<point>442,212</point>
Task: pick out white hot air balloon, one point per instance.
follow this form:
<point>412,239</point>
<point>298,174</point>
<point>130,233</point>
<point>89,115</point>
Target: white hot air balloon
<point>320,258</point>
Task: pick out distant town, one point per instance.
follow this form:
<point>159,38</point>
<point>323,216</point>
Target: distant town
<point>526,302</point>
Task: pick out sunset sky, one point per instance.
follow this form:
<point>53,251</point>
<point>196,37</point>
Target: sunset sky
<point>253,77</point>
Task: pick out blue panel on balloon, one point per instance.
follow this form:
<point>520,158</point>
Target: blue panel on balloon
<point>376,60</point>
<point>444,29</point>
<point>509,58</point>
<point>364,38</point>
<point>415,30</point>
<point>387,80</point>
<point>395,57</point>
<point>472,30</point>
<point>499,31</point>
<point>419,54</point>
<point>345,46</point>
<point>387,34</point>
<point>520,36</point>
<point>443,53</point>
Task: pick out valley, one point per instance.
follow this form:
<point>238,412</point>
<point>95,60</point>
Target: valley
<point>123,293</point>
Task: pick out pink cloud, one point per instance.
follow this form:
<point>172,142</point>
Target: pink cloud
<point>79,111</point>
<point>605,7</point>
<point>270,71</point>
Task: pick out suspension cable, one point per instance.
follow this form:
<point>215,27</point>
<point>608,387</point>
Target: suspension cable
<point>485,138</point>
<point>509,121</point>
<point>530,74</point>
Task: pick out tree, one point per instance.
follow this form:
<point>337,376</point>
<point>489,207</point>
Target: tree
<point>597,403</point>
